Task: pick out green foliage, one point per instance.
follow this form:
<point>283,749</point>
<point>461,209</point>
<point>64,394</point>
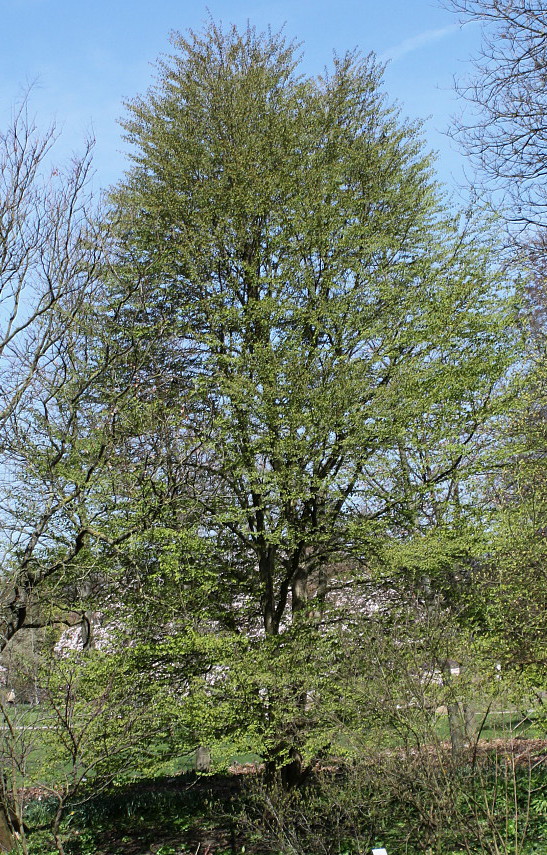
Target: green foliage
<point>326,349</point>
<point>512,581</point>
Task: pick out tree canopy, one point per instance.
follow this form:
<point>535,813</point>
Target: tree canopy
<point>315,310</point>
<point>327,345</point>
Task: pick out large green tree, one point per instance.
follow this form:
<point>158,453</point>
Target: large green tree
<point>326,343</point>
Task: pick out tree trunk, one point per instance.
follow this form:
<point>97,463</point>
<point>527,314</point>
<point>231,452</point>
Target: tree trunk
<point>455,719</point>
<point>202,759</point>
<point>293,774</point>
<point>7,839</point>
<point>470,725</point>
<point>56,830</point>
<point>456,726</point>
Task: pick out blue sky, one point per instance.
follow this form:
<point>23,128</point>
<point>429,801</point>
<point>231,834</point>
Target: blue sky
<point>85,59</point>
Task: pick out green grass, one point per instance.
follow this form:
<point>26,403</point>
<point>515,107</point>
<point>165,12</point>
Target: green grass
<point>500,725</point>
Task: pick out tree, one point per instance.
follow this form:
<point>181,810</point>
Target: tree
<point>512,581</point>
<point>330,343</point>
<point>506,132</point>
<point>48,270</point>
<point>56,431</point>
<point>47,262</point>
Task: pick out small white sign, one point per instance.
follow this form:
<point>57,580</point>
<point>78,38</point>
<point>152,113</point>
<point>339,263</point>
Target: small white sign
<point>379,852</point>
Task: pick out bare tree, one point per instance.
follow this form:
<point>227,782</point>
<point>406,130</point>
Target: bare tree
<point>70,369</point>
<point>48,253</point>
<point>505,129</point>
<point>53,434</point>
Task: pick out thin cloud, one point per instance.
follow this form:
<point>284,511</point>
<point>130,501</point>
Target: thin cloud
<point>417,42</point>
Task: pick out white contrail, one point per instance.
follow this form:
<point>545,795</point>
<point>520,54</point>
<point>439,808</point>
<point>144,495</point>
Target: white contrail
<point>417,42</point>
